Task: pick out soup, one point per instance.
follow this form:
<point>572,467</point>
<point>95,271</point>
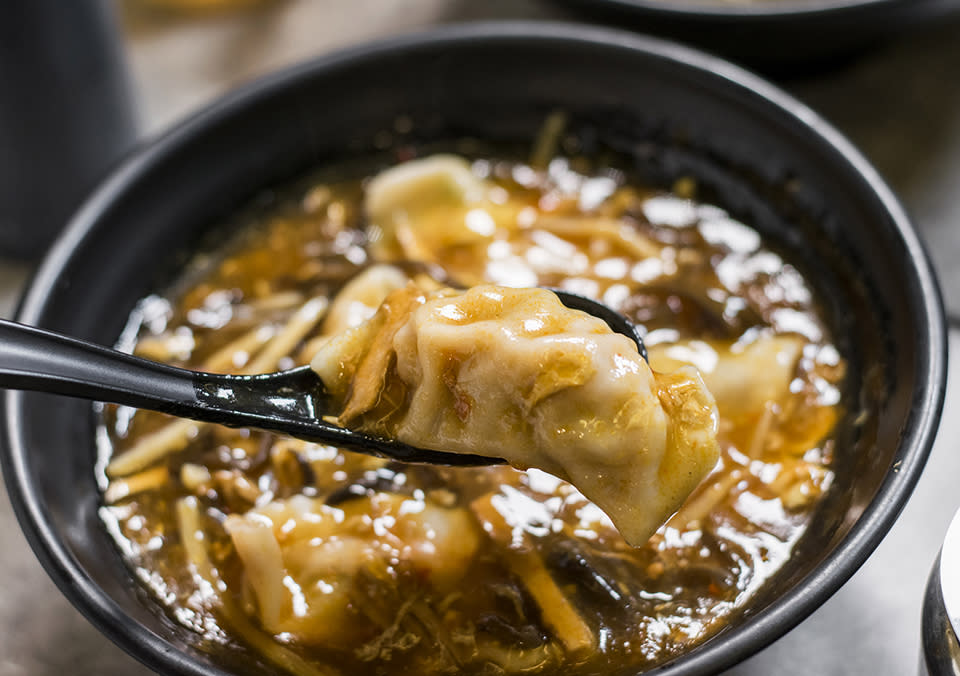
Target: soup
<point>319,561</point>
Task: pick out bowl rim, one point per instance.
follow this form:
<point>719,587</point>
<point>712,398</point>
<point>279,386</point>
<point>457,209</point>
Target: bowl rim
<point>746,11</point>
<point>764,627</point>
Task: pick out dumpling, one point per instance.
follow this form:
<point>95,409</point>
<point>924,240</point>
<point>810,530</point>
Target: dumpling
<point>436,210</point>
<point>359,299</point>
<point>513,373</point>
<point>742,378</point>
<point>302,558</point>
<point>422,207</point>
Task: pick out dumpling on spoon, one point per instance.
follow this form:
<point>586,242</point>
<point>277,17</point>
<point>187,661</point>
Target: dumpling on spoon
<point>513,373</point>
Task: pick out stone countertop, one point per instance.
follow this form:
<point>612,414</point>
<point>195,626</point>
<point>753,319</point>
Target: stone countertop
<point>899,104</point>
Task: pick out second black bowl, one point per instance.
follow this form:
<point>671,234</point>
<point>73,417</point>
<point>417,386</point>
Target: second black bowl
<point>784,37</point>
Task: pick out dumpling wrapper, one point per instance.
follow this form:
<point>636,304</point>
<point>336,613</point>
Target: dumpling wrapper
<point>513,373</point>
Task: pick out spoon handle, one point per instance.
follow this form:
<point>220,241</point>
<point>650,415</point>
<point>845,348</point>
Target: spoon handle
<point>44,361</point>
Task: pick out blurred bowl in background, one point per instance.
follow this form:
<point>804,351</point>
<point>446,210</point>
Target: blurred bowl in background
<point>782,37</point>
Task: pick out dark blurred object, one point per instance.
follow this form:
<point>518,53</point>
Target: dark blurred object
<point>940,649</point>
<point>65,114</point>
<point>780,37</point>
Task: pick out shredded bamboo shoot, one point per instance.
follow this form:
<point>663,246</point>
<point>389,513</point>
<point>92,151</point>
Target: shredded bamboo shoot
<point>170,438</point>
<point>705,500</point>
<point>147,480</point>
<point>558,612</point>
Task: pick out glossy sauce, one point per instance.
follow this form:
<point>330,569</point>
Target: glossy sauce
<point>538,580</point>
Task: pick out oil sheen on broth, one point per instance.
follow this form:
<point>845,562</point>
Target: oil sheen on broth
<point>353,564</point>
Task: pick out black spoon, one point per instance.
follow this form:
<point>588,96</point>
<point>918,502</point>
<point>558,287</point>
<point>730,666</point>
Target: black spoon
<point>289,402</point>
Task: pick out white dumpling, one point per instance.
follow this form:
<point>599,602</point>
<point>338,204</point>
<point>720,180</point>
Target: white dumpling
<point>359,299</point>
<point>743,378</point>
<point>513,373</point>
<point>420,207</point>
<point>302,558</point>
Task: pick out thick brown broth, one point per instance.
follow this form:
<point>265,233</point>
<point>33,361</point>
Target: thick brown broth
<point>481,570</point>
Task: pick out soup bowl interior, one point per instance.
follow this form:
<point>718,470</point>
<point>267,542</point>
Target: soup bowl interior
<point>670,111</point>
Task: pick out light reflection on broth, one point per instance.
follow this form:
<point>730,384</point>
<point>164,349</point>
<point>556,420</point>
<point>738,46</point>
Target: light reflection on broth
<point>390,568</point>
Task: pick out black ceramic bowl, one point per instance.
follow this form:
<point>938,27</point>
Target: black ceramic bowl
<point>675,112</point>
<point>781,36</point>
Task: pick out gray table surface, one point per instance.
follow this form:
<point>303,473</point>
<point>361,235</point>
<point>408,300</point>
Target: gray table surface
<point>900,105</point>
